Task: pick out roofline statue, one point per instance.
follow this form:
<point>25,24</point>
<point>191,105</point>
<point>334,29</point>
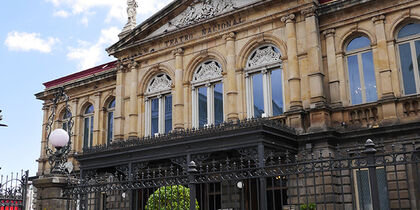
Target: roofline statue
<point>131,14</point>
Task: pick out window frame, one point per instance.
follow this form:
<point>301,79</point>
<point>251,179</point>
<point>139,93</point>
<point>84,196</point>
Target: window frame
<point>110,129</point>
<point>411,41</point>
<point>64,121</point>
<point>358,53</point>
<point>89,128</point>
<point>265,70</point>
<point>161,96</point>
<point>210,84</point>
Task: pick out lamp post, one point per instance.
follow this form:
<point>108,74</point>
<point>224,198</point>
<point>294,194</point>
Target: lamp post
<point>60,138</point>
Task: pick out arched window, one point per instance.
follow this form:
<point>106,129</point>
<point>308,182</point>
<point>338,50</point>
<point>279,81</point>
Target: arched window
<point>361,71</point>
<point>264,82</point>
<point>159,105</point>
<point>110,121</point>
<point>88,127</point>
<point>207,94</point>
<point>66,120</point>
<point>408,39</point>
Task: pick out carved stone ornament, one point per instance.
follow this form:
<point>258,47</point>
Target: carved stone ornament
<point>288,18</point>
<point>263,56</point>
<point>207,71</point>
<point>310,11</point>
<point>161,82</point>
<point>204,9</point>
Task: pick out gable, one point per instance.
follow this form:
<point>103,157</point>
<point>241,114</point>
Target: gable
<point>193,12</point>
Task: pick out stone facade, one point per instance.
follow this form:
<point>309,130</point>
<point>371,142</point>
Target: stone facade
<point>311,39</point>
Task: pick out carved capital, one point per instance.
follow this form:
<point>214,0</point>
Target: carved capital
<point>133,65</point>
<point>178,52</point>
<point>288,18</point>
<point>229,36</point>
<point>309,12</point>
<point>329,32</point>
<point>378,19</point>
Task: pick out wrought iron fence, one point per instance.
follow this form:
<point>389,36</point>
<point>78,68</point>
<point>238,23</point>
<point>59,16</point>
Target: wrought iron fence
<point>368,178</point>
<point>13,190</point>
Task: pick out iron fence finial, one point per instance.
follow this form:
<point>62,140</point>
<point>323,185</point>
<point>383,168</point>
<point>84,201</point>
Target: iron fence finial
<point>369,147</point>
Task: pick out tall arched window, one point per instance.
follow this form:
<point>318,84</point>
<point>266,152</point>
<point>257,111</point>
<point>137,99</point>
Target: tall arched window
<point>159,105</point>
<point>65,120</point>
<point>88,127</point>
<point>264,82</point>
<point>361,71</point>
<point>110,121</point>
<point>408,39</point>
<point>207,94</point>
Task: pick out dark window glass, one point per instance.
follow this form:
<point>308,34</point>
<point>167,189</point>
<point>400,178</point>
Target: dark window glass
<point>354,79</point>
<point>218,103</point>
<point>168,113</point>
<point>112,104</point>
<point>110,126</point>
<point>66,118</point>
<point>277,92</point>
<point>202,106</point>
<point>91,132</point>
<point>89,109</point>
<point>363,188</point>
<point>86,133</point>
<point>369,77</point>
<point>409,30</point>
<point>358,43</point>
<point>155,116</point>
<point>258,94</point>
<point>407,69</point>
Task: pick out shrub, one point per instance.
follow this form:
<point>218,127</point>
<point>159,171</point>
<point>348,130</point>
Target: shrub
<point>310,206</point>
<point>171,197</point>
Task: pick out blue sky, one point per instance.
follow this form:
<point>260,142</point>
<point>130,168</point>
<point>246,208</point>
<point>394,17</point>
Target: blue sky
<point>41,40</point>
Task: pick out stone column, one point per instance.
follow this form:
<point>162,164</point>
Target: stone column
<point>133,66</point>
<point>50,192</point>
<point>43,157</point>
<point>74,106</point>
<point>178,104</point>
<point>334,81</point>
<point>385,75</point>
<point>316,75</point>
<point>231,87</point>
<point>119,105</point>
<point>293,63</point>
<point>96,118</point>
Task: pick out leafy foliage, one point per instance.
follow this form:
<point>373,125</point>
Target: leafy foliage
<point>170,197</point>
<point>310,206</point>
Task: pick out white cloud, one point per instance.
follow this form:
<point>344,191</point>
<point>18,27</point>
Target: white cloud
<point>22,41</point>
<point>87,54</point>
<point>61,13</point>
<point>116,8</point>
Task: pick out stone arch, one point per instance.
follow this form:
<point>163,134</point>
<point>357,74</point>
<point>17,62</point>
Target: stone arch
<point>400,22</point>
<point>151,73</point>
<point>200,58</point>
<point>353,33</point>
<point>108,100</point>
<point>257,41</point>
<point>84,104</point>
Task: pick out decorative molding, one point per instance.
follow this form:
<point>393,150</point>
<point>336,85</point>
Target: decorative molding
<point>133,65</point>
<point>264,55</point>
<point>159,83</point>
<point>310,11</point>
<point>202,10</point>
<point>229,36</point>
<point>207,71</point>
<point>288,18</point>
<point>178,52</point>
<point>378,19</point>
<point>329,32</point>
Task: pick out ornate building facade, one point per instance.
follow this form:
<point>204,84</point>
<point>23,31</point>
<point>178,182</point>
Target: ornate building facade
<point>214,78</point>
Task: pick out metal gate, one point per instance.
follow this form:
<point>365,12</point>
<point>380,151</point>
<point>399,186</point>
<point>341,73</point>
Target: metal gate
<point>13,190</point>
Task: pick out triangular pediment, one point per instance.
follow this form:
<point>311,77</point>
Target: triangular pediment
<point>177,16</point>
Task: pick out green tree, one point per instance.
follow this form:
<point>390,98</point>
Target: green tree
<point>175,197</point>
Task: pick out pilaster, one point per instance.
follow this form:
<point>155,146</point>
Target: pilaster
<point>133,66</point>
<point>293,63</point>
<point>96,118</point>
<point>334,81</point>
<point>178,112</point>
<point>119,104</point>
<point>231,87</point>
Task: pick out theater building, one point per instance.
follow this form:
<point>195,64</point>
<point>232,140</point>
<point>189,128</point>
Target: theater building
<point>249,82</point>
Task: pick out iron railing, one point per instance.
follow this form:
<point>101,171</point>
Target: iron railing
<point>368,178</point>
<point>13,190</point>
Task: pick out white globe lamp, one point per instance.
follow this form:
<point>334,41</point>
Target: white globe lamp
<point>59,138</point>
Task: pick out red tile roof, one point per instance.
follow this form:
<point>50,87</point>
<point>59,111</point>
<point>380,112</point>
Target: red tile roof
<point>81,74</point>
